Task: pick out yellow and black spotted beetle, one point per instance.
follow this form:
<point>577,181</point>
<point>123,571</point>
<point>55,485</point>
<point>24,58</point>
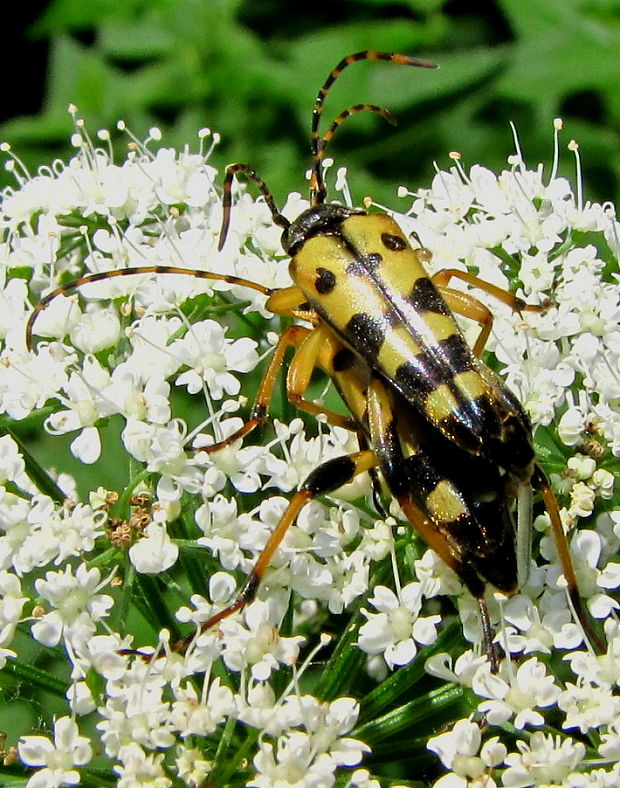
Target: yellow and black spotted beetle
<point>451,442</point>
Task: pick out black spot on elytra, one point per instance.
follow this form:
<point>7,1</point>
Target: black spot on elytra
<point>417,379</point>
<point>424,297</point>
<point>393,242</point>
<point>366,332</point>
<point>456,352</point>
<point>325,281</point>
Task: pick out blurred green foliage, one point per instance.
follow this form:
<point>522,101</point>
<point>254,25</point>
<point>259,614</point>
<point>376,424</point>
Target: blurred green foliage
<point>251,70</point>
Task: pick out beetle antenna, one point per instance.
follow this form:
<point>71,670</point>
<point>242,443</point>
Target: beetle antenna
<point>335,125</point>
<point>251,175</point>
<point>317,144</point>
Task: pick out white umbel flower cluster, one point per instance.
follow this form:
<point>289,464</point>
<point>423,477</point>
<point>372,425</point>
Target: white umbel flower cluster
<point>169,364</point>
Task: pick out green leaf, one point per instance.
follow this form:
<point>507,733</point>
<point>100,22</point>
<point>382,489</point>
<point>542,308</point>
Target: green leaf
<point>560,49</point>
<point>344,665</point>
<point>119,39</point>
<point>61,14</point>
<point>36,677</point>
<point>433,709</point>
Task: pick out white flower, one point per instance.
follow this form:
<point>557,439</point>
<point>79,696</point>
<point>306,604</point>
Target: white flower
<point>436,576</point>
<point>396,629</point>
<point>226,533</point>
<point>587,553</point>
<point>12,465</point>
<point>192,767</point>
<point>212,358</point>
<point>13,308</point>
<point>572,425</point>
<point>529,632</point>
<point>162,447</point>
<point>147,401</point>
<point>98,328</point>
<point>258,709</point>
<point>520,696</point>
<point>101,653</point>
<point>582,500</point>
<point>27,382</point>
<point>11,605</point>
<point>200,716</point>
<point>78,606</point>
<point>60,318</point>
<point>465,668</point>
<point>181,180</point>
<point>292,762</point>
<point>80,699</point>
<point>135,712</point>
<point>69,749</point>
<point>610,742</point>
<point>603,482</point>
<point>588,706</point>
<point>83,395</point>
<point>601,670</point>
<point>154,552</point>
<point>542,761</point>
<point>459,750</point>
<point>241,465</point>
<point>151,356</point>
<point>361,778</point>
<point>140,768</point>
<point>349,579</point>
<point>259,646</point>
<point>221,589</point>
<point>310,757</point>
<point>58,534</point>
<point>339,718</point>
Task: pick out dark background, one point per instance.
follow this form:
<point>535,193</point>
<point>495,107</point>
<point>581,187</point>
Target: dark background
<point>251,70</point>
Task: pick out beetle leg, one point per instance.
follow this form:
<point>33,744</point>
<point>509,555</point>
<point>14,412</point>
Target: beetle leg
<point>467,305</point>
<point>287,302</point>
<point>315,350</point>
<point>540,482</point>
<point>523,541</point>
<point>292,336</point>
<point>310,344</point>
<point>443,277</point>
<point>375,479</point>
<point>323,480</point>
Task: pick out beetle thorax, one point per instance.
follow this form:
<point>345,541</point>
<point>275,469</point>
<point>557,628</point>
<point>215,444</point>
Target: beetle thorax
<point>318,220</point>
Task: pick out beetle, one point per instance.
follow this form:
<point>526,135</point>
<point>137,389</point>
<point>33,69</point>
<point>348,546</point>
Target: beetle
<point>451,441</point>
